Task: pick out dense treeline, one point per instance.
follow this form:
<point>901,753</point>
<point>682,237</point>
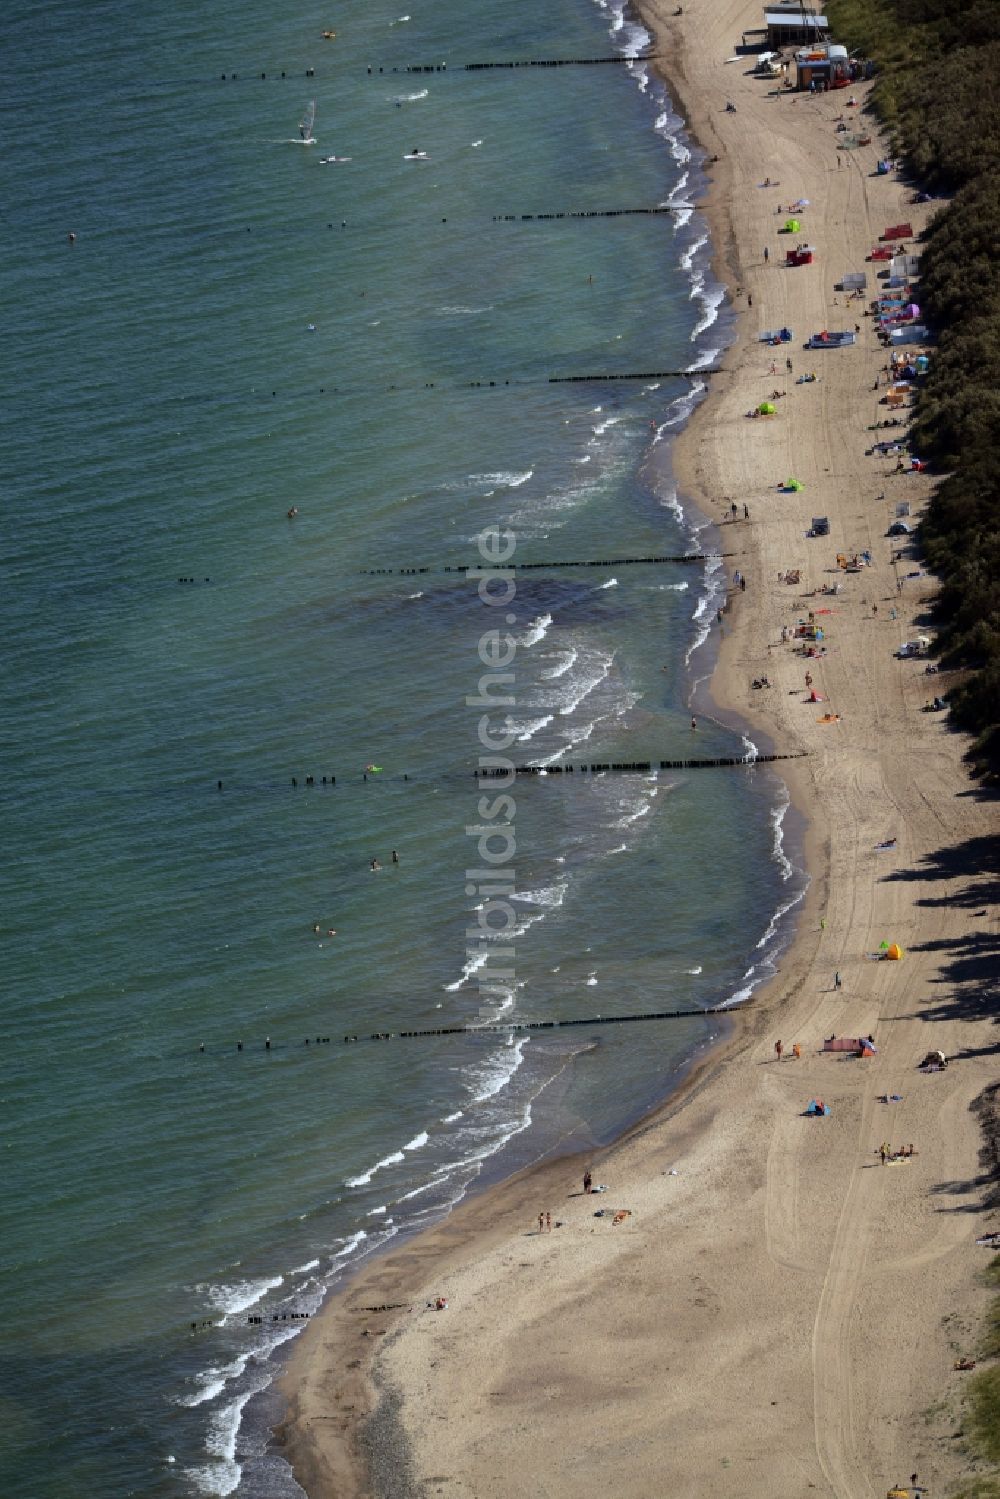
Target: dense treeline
<point>935,94</point>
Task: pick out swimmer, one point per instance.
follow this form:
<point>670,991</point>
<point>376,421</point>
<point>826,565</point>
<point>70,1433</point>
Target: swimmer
<point>395,857</point>
<point>376,866</point>
<point>293,512</point>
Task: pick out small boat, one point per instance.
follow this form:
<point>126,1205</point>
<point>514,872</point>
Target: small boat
<point>415,156</point>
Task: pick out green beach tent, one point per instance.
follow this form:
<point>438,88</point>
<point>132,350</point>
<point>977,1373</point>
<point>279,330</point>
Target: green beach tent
<point>766,408</point>
<point>792,226</point>
<point>794,484</point>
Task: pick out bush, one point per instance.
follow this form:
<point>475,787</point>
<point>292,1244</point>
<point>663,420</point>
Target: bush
<point>934,93</point>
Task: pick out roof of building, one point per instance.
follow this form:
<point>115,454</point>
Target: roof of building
<point>794,20</point>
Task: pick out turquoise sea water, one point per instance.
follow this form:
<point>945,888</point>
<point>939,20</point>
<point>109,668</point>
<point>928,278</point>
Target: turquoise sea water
<point>239,330</point>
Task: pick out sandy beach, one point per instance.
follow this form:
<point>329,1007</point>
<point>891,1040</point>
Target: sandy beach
<point>779,1313</point>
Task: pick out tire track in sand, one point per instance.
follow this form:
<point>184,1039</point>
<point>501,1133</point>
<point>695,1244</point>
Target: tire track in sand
<point>833,1414</point>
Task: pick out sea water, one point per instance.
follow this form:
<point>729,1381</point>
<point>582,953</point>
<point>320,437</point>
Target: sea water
<point>379,345</point>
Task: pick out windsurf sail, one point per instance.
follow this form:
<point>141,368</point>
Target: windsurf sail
<point>306,124</point>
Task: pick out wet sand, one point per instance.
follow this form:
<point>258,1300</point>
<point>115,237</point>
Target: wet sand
<point>779,1312</point>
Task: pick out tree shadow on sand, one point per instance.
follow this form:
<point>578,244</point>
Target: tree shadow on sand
<point>968,974</point>
<point>982,1191</point>
<point>969,963</point>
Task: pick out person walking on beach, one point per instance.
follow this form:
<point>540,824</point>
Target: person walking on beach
<point>588,1182</point>
<point>767,255</point>
<point>788,365</point>
<point>694,723</point>
<point>883,1151</point>
<point>796,1050</point>
<point>548,1223</point>
<point>837,983</point>
<point>778,1049</point>
<point>541,1223</point>
<point>746,512</point>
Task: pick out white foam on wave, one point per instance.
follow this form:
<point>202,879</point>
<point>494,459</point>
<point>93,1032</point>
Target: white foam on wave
<point>591,980</point>
<point>505,478</point>
<point>241,1294</point>
<point>473,963</point>
<point>670,126</point>
<point>687,259</point>
<point>568,658</point>
<point>702,617</point>
<point>450,1118</point>
<point>459,310</point>
<point>638,809</point>
<point>670,502</point>
<point>678,411</point>
<point>778,843</point>
<point>222,1476</point>
<point>415,595</point>
<point>366,1176</point>
<point>704,360</point>
<point>488,1077</point>
<point>711,300</point>
<point>640,73</point>
<point>418,1141</point>
<point>537,630</point>
<point>586,682</point>
<point>213,1381</point>
<point>611,583</point>
<point>378,1212</point>
<point>578,733</point>
<point>601,427</point>
<point>696,969</point>
<point>408,98</point>
<point>551,896</point>
<point>348,1246</point>
<point>782,910</point>
<point>526,729</point>
<point>301,1269</point>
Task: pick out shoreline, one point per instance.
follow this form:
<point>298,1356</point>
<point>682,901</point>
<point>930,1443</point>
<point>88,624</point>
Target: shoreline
<point>340,1465</point>
<point>765,1224</point>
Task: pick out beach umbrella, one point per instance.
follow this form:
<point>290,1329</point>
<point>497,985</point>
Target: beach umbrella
<point>766,408</point>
